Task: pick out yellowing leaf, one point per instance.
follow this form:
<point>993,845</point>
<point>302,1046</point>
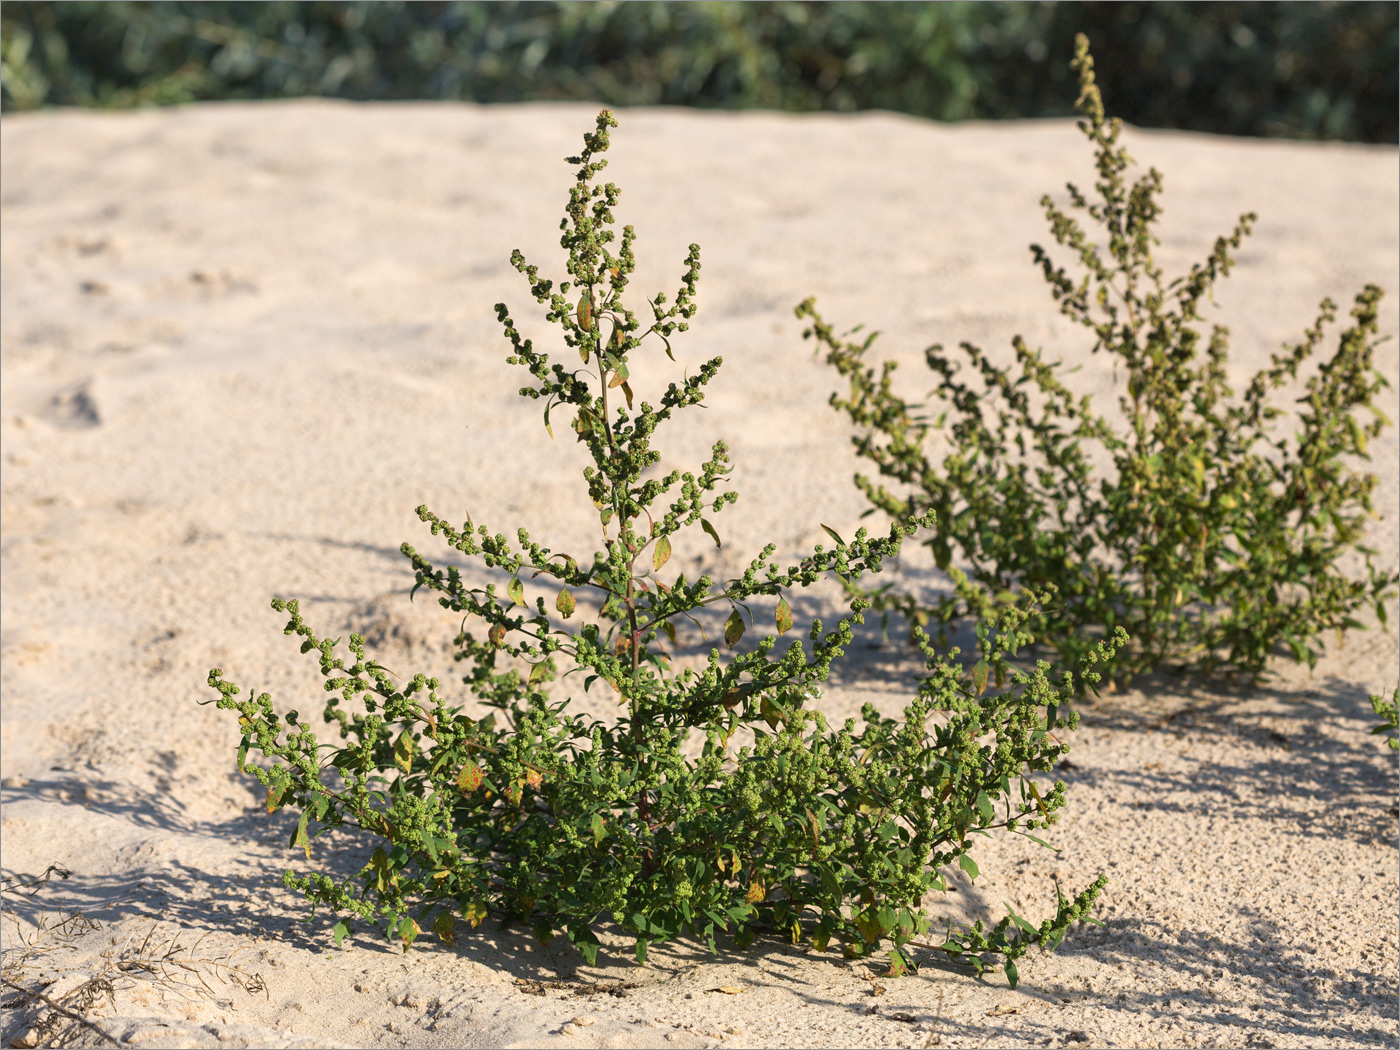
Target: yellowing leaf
<point>1198,467</point>
<point>516,590</point>
<point>711,530</point>
<point>661,553</point>
<point>756,892</point>
<point>534,777</point>
<point>475,912</point>
<point>403,751</point>
<point>565,603</point>
<point>299,837</point>
<point>784,616</point>
<point>469,779</point>
<point>497,634</point>
<point>445,926</point>
<point>539,671</point>
<point>585,311</point>
<point>979,676</point>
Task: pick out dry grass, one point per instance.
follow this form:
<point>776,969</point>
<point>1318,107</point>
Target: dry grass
<point>51,987</point>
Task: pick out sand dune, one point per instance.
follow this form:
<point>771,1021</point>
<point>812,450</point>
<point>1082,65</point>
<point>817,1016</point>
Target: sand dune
<point>240,343</point>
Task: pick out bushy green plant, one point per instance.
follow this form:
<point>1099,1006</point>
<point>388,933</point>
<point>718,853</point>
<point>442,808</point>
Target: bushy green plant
<point>1388,711</point>
<point>1197,525</point>
<point>777,822</point>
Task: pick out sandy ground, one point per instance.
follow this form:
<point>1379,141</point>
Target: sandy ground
<point>242,342</point>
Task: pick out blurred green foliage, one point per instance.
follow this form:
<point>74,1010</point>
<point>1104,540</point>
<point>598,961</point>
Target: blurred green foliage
<point>1298,70</point>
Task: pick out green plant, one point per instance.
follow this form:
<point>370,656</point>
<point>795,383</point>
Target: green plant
<point>775,822</point>
<point>1388,711</point>
<point>1193,524</point>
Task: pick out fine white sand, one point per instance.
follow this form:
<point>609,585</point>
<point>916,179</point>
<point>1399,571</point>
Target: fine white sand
<point>242,342</point>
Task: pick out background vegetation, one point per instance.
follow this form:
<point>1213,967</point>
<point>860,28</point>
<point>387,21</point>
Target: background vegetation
<point>1297,70</point>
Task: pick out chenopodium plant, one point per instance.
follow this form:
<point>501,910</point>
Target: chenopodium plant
<point>1388,711</point>
<point>558,820</point>
<point>1211,533</point>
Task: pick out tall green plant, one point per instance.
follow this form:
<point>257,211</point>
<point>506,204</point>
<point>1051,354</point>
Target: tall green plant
<point>776,822</point>
<point>1214,535</point>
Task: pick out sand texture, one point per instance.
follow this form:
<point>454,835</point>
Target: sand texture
<point>241,343</point>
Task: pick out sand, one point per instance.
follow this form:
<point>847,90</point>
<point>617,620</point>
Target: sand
<point>241,343</point>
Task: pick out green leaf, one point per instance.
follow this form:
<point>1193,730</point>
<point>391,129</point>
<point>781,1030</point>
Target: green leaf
<point>1022,923</point>
<point>516,590</point>
<point>1011,975</point>
<point>598,828</point>
<point>539,671</point>
<point>771,712</point>
<point>829,884</point>
<point>783,616</point>
<point>898,966</point>
<point>339,932</point>
<point>704,524</point>
<point>984,807</point>
<point>968,865</point>
<point>1037,841</point>
<point>832,533</point>
<point>942,553</point>
<point>733,628</point>
<point>661,553</point>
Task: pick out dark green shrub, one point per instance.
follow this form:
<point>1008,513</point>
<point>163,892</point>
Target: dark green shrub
<point>555,820</point>
<point>1276,69</point>
<point>1212,537</point>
